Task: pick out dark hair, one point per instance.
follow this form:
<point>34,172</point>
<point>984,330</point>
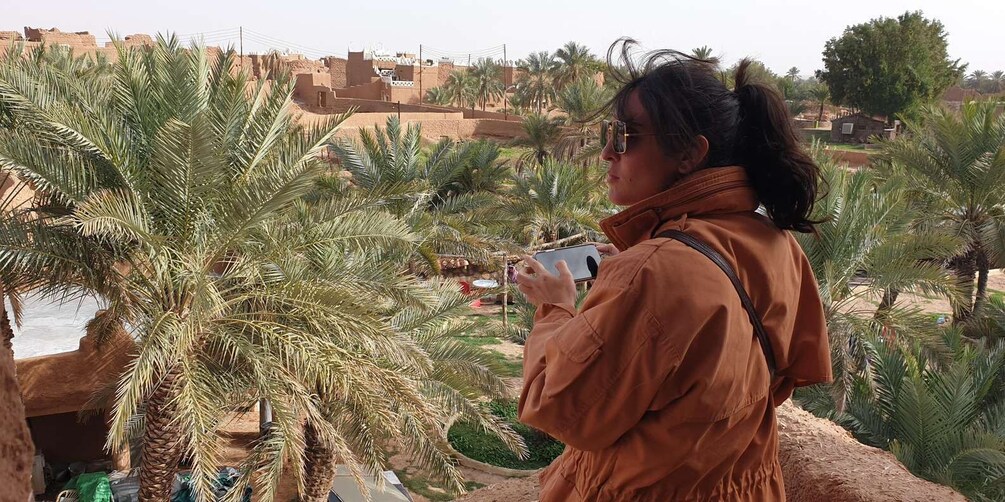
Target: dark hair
<point>749,126</point>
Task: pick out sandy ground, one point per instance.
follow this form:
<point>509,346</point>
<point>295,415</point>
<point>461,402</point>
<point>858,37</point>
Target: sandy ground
<point>996,283</point>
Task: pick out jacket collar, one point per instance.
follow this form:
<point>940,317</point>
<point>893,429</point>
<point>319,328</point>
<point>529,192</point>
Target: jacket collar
<point>709,191</point>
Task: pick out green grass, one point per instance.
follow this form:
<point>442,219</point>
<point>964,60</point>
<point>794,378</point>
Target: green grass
<point>472,441</point>
<point>421,486</point>
<point>848,148</point>
<point>512,152</point>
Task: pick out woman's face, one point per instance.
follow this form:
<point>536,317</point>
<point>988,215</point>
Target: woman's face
<point>644,169</point>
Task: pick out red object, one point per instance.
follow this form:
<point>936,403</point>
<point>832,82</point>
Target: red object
<point>465,287</point>
<point>477,303</point>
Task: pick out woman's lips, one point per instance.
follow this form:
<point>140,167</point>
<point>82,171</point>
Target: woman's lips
<point>611,178</point>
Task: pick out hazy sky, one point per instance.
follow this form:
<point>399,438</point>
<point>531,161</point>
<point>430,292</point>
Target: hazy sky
<point>782,33</point>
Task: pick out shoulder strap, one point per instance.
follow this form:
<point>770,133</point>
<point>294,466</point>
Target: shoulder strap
<point>755,319</point>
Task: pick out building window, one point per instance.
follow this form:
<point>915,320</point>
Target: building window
<point>322,99</point>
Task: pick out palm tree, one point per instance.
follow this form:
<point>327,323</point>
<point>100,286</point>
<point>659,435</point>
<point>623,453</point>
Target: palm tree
<point>954,164</point>
<point>820,93</point>
<point>998,81</point>
<point>574,63</point>
<point>438,96</point>
<point>705,53</point>
<point>942,417</point>
<point>556,200</point>
<point>389,163</point>
<point>543,134</point>
<point>460,86</point>
<point>976,79</point>
<point>792,74</point>
<point>488,81</point>
<point>582,102</point>
<point>865,248</point>
<point>536,84</point>
<point>238,281</point>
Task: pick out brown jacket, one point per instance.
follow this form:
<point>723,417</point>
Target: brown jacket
<point>658,386</point>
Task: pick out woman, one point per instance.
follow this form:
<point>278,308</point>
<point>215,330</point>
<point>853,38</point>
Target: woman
<point>657,384</point>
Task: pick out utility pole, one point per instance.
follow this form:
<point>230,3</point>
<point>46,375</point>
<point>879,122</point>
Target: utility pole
<point>241,31</point>
<point>420,74</point>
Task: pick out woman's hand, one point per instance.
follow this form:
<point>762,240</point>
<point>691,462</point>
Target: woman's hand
<point>606,249</point>
<point>540,286</point>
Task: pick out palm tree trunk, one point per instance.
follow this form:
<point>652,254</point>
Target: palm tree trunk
<point>964,267</point>
<point>161,447</point>
<point>889,298</point>
<point>5,328</point>
<point>820,115</point>
<point>319,467</point>
<point>983,268</point>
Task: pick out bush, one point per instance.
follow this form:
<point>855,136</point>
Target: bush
<point>469,439</point>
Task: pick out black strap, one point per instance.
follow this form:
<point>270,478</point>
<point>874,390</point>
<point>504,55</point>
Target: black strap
<point>755,318</point>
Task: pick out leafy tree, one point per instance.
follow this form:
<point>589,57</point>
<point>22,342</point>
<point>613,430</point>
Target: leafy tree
<point>438,96</point>
<point>792,74</point>
<point>461,87</point>
<point>426,190</point>
<point>574,63</point>
<point>889,66</point>
<point>704,52</point>
<point>820,94</point>
<point>536,84</point>
<point>488,85</point>
<point>556,200</point>
<point>864,248</point>
<point>543,134</point>
<point>941,416</point>
<point>954,165</point>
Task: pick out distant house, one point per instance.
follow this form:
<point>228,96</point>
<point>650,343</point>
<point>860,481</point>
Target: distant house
<point>859,128</point>
<point>955,96</point>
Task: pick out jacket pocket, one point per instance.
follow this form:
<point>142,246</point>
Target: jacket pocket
<point>579,346</point>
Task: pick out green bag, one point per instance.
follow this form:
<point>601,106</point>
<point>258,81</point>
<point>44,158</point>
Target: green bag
<point>91,487</point>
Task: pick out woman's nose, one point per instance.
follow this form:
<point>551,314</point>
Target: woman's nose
<point>607,153</point>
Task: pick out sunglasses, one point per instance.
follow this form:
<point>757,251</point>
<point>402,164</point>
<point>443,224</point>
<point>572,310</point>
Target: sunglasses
<point>616,133</point>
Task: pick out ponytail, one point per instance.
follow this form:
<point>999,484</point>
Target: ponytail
<point>685,98</point>
<point>782,173</point>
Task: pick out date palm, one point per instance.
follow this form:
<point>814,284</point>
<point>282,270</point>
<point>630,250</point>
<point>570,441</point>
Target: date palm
<point>238,282</point>
<point>536,85</point>
<point>460,87</point>
<point>865,247</point>
<point>574,63</point>
<point>488,85</point>
<point>954,164</point>
<point>556,200</point>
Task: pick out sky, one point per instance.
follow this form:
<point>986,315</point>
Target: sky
<point>781,33</point>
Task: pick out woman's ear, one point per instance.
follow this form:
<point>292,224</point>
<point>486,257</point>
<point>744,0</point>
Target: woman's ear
<point>694,158</point>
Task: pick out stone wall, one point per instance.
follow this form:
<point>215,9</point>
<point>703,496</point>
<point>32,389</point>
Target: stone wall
<point>337,70</point>
<point>16,448</point>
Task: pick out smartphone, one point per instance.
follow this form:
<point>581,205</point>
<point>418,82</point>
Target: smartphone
<point>583,261</point>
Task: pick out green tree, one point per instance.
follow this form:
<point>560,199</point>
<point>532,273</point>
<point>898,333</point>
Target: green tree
<point>582,101</point>
<point>889,66</point>
<point>461,87</point>
<point>556,200</point>
<point>438,96</point>
<point>536,83</point>
<point>941,416</point>
<point>423,189</point>
<point>704,52</point>
<point>574,63</point>
<point>242,276</point>
<point>543,134</point>
<point>820,94</point>
<point>865,247</point>
<point>488,85</point>
<point>954,164</point>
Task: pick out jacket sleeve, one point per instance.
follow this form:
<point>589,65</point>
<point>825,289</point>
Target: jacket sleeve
<point>590,376</point>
